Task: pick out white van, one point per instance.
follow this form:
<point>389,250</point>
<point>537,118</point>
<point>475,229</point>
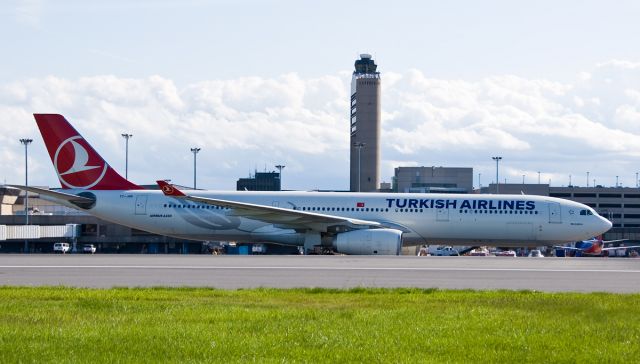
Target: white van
<point>61,248</point>
<point>443,251</point>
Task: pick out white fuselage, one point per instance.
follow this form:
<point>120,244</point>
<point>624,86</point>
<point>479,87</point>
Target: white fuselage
<point>501,220</point>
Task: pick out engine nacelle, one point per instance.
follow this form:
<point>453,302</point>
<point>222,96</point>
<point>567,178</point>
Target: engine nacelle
<point>369,242</point>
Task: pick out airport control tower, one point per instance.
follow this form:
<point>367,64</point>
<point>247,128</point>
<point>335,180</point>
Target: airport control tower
<point>365,125</point>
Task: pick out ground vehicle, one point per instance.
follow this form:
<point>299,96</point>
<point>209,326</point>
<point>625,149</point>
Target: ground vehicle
<point>535,254</point>
<point>444,251</point>
<point>479,252</point>
<point>89,248</point>
<point>506,253</point>
<point>61,248</point>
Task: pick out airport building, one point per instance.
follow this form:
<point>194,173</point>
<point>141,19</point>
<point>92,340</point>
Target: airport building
<point>260,181</point>
<point>433,180</point>
<point>365,126</point>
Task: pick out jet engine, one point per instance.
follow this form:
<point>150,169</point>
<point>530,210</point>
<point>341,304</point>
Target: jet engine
<point>369,242</point>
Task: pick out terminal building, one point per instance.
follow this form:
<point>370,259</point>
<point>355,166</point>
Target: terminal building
<point>433,180</point>
<point>260,181</point>
<point>365,126</point>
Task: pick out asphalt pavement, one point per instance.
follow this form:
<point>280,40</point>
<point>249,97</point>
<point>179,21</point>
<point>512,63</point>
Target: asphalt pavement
<point>234,272</point>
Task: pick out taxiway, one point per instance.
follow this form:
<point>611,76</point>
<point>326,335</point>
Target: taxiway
<point>233,272</point>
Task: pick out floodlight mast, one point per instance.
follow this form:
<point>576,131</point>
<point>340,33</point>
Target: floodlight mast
<point>195,152</point>
<point>497,159</point>
<point>126,154</point>
<point>26,143</point>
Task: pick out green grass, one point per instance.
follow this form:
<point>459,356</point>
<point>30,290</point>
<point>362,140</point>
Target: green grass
<point>61,325</point>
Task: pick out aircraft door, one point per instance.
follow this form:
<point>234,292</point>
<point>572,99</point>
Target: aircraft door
<point>442,215</point>
<point>555,213</point>
<point>141,205</point>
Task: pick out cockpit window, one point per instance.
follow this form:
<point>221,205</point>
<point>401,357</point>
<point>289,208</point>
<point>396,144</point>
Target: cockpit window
<point>586,212</point>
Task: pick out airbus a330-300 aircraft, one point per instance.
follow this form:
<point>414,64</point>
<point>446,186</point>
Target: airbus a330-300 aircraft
<point>350,223</point>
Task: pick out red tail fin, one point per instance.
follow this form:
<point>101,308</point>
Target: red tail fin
<point>77,164</point>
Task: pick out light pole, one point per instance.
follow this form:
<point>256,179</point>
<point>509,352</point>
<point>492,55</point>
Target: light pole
<point>280,168</point>
<point>587,179</point>
<point>497,159</point>
<point>523,179</point>
<point>538,177</point>
<point>195,152</point>
<point>26,143</point>
<point>570,181</point>
<point>359,146</point>
<point>126,154</point>
<point>616,181</point>
<point>479,183</point>
<point>637,179</point>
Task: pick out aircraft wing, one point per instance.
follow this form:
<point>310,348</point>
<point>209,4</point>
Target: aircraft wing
<point>567,247</point>
<point>55,194</point>
<point>620,247</point>
<point>294,219</point>
<point>613,241</point>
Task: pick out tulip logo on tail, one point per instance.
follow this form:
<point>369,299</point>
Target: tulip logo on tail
<point>168,189</point>
<point>75,167</point>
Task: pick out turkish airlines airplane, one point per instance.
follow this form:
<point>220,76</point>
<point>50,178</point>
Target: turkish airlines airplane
<point>350,223</point>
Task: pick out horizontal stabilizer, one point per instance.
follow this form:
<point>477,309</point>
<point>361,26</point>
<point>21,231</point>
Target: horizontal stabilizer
<point>55,194</point>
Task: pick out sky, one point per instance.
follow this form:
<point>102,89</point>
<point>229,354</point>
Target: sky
<point>551,87</point>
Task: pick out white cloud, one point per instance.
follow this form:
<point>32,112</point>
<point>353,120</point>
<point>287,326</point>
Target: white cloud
<point>591,124</point>
<point>29,12</point>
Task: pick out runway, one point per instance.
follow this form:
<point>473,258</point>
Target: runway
<point>234,272</point>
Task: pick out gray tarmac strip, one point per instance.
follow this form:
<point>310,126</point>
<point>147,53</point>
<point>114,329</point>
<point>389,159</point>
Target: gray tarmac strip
<point>233,272</point>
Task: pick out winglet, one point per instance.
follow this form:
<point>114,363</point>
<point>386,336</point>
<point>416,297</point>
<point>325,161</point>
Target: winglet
<point>169,190</point>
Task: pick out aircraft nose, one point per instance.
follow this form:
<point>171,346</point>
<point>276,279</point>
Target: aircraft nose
<point>606,224</point>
